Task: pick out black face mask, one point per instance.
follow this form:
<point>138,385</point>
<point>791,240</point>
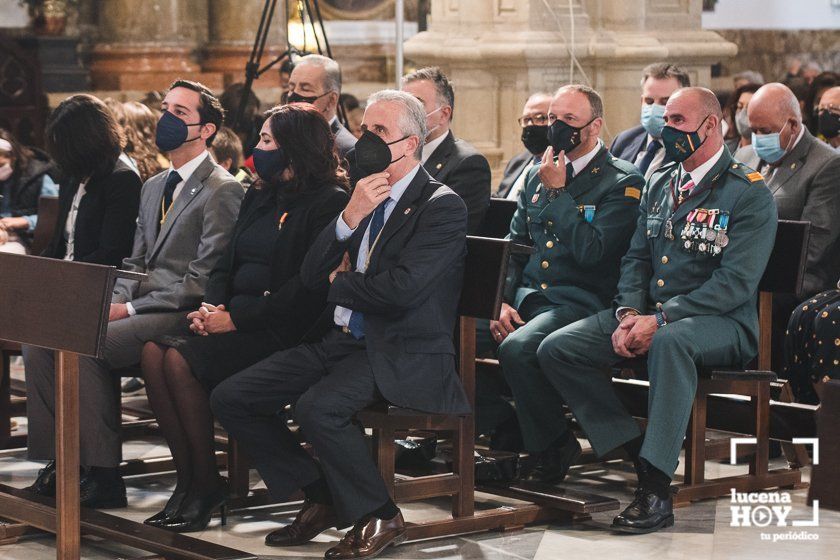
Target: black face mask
<point>270,163</point>
<point>295,97</point>
<point>535,138</point>
<point>563,137</point>
<point>373,154</point>
<point>828,124</point>
<point>172,132</point>
<point>681,144</point>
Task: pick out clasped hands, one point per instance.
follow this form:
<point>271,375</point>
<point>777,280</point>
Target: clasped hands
<point>210,319</point>
<point>633,336</point>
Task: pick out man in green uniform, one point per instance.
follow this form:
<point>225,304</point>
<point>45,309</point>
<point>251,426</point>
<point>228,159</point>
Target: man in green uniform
<point>578,210</point>
<point>686,298</point>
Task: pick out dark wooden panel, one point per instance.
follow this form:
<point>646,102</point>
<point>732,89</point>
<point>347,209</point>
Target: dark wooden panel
<point>554,497</point>
<point>40,297</point>
<point>786,268</point>
<point>498,217</point>
<point>47,221</point>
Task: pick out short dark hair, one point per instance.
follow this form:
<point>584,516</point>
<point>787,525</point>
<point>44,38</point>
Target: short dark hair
<point>83,137</point>
<point>306,138</point>
<point>596,105</point>
<point>665,70</point>
<point>228,146</point>
<point>443,87</point>
<point>210,110</point>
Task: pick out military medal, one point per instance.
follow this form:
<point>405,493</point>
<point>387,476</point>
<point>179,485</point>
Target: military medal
<point>669,229</point>
<point>710,235</point>
<point>535,198</point>
<point>282,220</point>
<point>589,212</point>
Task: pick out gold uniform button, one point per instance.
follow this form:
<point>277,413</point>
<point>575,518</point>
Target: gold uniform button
<point>544,286</point>
<point>544,264</point>
<point>660,282</point>
<point>549,244</point>
<point>665,260</point>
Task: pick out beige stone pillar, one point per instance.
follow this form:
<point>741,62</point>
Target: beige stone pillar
<point>233,28</point>
<point>497,52</point>
<point>146,44</point>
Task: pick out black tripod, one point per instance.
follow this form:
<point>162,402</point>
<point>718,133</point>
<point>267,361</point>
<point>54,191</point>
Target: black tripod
<point>306,8</point>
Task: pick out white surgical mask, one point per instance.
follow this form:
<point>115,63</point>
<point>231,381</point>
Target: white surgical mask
<point>431,130</point>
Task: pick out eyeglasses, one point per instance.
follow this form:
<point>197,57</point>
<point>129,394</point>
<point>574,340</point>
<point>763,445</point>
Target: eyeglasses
<point>538,120</point>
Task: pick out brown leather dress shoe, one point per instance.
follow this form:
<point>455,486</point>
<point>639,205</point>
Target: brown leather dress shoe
<point>311,520</point>
<point>368,538</point>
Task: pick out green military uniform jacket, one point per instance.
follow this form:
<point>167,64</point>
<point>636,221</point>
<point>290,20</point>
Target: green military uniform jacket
<point>705,257</point>
<point>579,237</point>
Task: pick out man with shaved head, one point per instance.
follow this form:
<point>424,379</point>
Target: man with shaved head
<point>804,176</point>
<point>687,296</point>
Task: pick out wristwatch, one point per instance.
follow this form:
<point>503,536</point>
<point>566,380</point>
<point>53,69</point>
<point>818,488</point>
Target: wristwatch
<point>661,321</point>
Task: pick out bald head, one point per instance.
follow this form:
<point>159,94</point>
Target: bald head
<point>774,108</point>
<point>696,109</point>
<point>776,98</point>
<point>830,99</point>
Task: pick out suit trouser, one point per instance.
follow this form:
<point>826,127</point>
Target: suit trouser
<point>100,444</point>
<point>538,404</point>
<point>576,361</point>
<point>330,382</point>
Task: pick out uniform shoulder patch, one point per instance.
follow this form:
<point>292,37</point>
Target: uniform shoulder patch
<point>633,192</point>
<point>755,176</point>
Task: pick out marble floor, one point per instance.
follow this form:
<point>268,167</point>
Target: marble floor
<point>702,531</point>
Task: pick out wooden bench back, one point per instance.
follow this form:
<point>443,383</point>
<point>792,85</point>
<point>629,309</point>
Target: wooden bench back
<point>54,303</point>
<point>484,276</point>
<point>786,267</point>
<point>497,219</point>
<point>47,222</point>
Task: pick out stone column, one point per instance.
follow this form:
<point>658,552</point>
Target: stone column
<point>233,28</point>
<point>497,52</point>
<point>146,44</point>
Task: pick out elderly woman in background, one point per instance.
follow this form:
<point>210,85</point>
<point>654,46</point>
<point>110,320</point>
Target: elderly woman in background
<point>26,174</point>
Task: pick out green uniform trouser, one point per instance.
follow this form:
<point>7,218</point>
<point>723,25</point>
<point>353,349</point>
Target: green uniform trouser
<point>576,360</point>
<point>540,424</point>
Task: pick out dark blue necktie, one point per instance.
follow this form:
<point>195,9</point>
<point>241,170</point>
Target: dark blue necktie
<point>652,148</point>
<point>356,324</point>
<point>168,195</point>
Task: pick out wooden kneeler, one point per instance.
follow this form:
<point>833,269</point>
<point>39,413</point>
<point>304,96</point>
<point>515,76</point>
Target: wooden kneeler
<point>481,298</point>
<point>29,317</point>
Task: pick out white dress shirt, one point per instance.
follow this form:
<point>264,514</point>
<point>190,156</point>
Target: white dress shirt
<point>430,147</point>
<point>70,225</point>
<point>580,163</point>
<point>343,232</point>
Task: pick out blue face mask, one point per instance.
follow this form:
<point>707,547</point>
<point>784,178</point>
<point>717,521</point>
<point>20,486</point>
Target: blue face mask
<point>172,132</point>
<point>768,146</point>
<point>653,119</point>
<point>270,163</point>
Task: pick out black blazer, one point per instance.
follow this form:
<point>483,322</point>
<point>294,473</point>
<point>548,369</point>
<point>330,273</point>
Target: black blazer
<point>409,294</point>
<point>106,219</point>
<point>289,309</point>
<point>461,167</point>
<point>513,170</point>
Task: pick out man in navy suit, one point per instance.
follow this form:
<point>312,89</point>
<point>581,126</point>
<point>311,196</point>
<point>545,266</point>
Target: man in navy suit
<point>642,145</point>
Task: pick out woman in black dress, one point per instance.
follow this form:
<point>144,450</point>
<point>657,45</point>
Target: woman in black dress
<point>812,345</point>
<point>255,302</point>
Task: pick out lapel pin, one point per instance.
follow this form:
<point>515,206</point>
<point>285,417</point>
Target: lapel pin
<point>595,170</point>
<point>407,211</point>
<point>192,191</point>
<point>438,166</point>
<point>793,166</point>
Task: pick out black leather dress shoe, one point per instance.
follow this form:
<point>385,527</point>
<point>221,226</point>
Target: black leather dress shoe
<point>196,510</point>
<point>102,488</point>
<point>553,464</point>
<point>44,485</point>
<point>645,514</point>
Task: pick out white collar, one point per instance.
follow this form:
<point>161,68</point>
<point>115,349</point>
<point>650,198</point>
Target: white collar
<point>703,169</point>
<point>186,170</point>
<point>430,147</point>
<point>798,137</point>
<point>580,163</point>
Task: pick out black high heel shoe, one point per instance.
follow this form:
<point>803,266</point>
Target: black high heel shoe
<point>169,512</point>
<point>195,512</point>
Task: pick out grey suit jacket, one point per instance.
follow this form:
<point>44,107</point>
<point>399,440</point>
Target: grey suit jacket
<point>806,186</point>
<point>178,260</point>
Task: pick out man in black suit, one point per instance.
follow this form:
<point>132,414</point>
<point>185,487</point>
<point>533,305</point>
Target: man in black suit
<point>450,160</point>
<point>534,123</point>
<point>394,262</point>
<point>642,145</point>
<point>316,79</point>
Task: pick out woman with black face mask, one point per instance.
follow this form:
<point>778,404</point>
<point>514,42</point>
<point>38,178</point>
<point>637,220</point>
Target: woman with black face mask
<point>255,304</point>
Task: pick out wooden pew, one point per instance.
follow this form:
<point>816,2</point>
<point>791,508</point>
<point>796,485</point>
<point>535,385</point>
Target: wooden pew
<point>85,293</point>
<point>496,222</point>
<point>481,298</point>
<point>825,483</point>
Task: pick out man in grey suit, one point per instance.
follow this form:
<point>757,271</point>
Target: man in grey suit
<point>388,337</point>
<point>186,217</point>
<point>803,174</point>
<point>316,79</point>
